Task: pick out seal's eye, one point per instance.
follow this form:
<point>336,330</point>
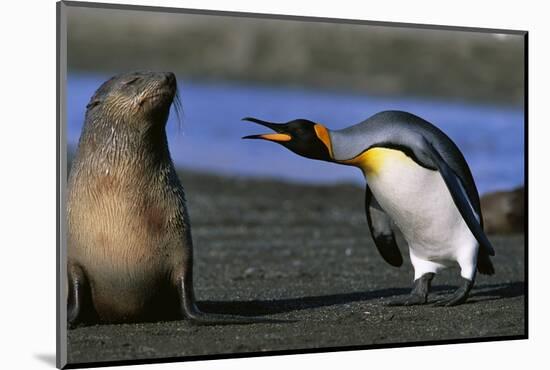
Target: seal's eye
<point>131,81</point>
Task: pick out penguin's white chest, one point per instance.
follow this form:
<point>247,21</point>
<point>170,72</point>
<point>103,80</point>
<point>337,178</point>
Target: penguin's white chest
<point>419,203</point>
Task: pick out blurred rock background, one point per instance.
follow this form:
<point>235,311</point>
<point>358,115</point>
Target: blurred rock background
<point>370,59</point>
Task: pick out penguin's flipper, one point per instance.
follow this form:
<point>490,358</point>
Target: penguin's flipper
<point>460,198</point>
<point>381,231</point>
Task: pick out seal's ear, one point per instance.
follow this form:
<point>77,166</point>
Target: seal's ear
<point>93,103</point>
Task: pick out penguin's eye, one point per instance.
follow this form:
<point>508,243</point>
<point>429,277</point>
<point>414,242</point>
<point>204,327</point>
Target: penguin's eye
<point>300,131</point>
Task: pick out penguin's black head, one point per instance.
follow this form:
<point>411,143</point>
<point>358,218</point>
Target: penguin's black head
<point>303,137</point>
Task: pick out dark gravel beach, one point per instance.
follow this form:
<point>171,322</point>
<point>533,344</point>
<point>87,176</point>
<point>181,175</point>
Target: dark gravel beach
<point>304,253</point>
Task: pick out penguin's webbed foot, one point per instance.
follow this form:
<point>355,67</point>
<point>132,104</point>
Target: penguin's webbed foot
<point>419,294</point>
<point>459,297</point>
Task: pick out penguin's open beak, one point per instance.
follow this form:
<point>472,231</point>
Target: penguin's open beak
<point>279,128</point>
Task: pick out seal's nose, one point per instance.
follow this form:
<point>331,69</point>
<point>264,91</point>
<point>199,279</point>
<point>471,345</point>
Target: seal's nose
<point>170,78</point>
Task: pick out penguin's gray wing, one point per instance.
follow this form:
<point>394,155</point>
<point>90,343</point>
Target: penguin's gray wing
<point>381,231</point>
<point>459,196</point>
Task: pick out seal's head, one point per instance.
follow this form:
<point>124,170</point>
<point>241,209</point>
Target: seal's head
<point>136,98</point>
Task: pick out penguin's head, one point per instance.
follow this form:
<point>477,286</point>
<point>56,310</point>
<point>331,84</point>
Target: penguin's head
<point>303,137</point>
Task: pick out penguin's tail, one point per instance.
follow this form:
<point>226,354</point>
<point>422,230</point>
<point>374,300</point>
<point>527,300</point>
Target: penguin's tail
<point>484,264</point>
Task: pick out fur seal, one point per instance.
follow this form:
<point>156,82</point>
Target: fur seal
<point>130,251</point>
<point>504,211</point>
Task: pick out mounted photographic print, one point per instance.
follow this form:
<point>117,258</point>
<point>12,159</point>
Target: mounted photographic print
<point>235,184</point>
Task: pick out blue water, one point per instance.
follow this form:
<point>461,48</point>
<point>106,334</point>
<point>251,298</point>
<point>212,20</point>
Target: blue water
<point>209,138</point>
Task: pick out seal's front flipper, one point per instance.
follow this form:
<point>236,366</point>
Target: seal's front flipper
<point>460,198</point>
<point>459,296</point>
<point>381,231</point>
<point>419,294</point>
<point>80,309</point>
<point>190,311</point>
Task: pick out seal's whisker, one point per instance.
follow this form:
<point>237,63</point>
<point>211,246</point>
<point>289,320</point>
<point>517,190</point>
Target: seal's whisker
<point>178,109</point>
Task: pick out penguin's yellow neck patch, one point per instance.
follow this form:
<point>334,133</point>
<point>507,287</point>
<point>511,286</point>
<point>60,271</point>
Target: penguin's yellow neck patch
<point>322,133</point>
<point>373,160</point>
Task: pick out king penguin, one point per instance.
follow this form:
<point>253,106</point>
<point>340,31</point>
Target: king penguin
<point>417,180</point>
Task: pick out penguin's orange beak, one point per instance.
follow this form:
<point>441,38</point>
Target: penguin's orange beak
<point>270,137</point>
<point>279,136</point>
